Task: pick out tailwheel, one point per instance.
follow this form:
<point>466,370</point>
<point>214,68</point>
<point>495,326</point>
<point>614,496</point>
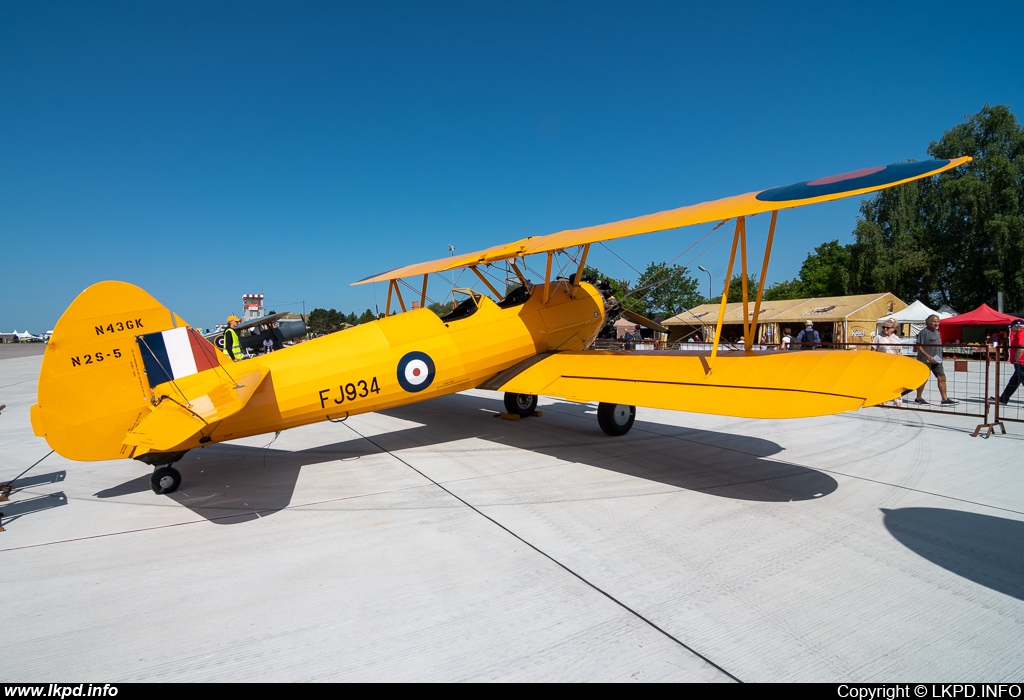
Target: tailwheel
<point>165,480</point>
<point>615,418</point>
<point>520,404</point>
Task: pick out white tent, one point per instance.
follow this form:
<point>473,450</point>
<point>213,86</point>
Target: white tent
<point>914,315</point>
<point>623,325</point>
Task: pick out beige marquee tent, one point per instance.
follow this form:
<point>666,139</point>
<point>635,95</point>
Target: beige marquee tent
<point>840,320</point>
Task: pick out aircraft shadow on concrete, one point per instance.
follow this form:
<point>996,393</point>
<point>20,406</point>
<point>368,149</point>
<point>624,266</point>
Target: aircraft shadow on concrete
<point>229,484</point>
<point>719,464</point>
<point>981,548</point>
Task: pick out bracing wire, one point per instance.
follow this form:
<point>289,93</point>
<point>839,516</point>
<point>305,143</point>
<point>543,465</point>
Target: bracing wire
<point>208,348</point>
<point>8,484</point>
<point>665,269</point>
<point>169,374</point>
<point>620,258</point>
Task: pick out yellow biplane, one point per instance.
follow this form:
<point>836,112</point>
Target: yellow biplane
<point>124,377</point>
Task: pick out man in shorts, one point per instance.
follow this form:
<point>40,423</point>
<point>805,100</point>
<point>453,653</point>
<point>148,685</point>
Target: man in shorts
<point>929,351</point>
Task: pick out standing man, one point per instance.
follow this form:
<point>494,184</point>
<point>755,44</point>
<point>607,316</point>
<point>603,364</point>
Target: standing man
<point>808,338</point>
<point>1017,361</point>
<point>232,343</point>
<point>929,351</point>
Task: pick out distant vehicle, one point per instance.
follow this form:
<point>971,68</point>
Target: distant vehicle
<point>26,337</point>
<point>251,334</point>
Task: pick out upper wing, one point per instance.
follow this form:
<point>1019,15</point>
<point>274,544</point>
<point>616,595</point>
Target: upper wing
<point>772,385</point>
<point>800,194</point>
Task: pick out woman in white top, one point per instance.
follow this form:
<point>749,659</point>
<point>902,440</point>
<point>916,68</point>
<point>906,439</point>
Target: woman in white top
<point>888,341</point>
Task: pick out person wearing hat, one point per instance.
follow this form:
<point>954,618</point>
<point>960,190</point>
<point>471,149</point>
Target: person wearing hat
<point>232,343</point>
<point>808,338</point>
<point>1017,360</point>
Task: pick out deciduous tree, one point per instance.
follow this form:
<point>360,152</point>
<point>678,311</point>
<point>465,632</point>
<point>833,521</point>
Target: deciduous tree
<point>975,214</point>
<point>324,321</point>
<point>666,290</point>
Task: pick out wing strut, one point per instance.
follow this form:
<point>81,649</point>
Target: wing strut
<point>547,280</point>
<point>519,273</point>
<point>743,285</point>
<point>393,286</point>
<point>490,286</point>
<point>579,270</point>
<point>739,238</point>
<point>760,287</point>
<point>741,223</point>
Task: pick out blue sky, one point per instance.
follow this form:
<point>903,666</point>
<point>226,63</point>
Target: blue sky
<point>206,149</point>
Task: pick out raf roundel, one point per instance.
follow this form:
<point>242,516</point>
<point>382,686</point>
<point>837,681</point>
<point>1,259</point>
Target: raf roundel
<point>415,371</point>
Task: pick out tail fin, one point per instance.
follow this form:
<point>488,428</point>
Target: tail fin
<point>93,385</point>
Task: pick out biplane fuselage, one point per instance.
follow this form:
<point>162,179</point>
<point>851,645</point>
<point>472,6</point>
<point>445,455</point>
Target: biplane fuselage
<point>393,361</point>
<point>412,356</point>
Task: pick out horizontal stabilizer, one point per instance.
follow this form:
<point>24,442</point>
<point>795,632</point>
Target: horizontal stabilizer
<point>769,385</point>
<point>177,421</point>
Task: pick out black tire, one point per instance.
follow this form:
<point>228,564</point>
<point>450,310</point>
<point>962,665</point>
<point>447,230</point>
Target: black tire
<point>520,404</point>
<point>165,480</point>
<point>615,418</point>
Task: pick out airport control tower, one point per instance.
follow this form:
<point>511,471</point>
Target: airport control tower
<point>252,307</point>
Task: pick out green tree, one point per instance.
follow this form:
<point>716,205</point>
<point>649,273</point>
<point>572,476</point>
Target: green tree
<point>975,222</point>
<point>438,308</point>
<point>351,319</point>
<point>367,316</point>
<point>789,289</point>
<point>621,289</point>
<point>826,271</point>
<point>890,253</point>
<point>324,321</point>
<point>957,238</point>
<point>736,289</point>
<point>667,290</point>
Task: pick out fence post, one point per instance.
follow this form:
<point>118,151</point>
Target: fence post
<point>995,417</point>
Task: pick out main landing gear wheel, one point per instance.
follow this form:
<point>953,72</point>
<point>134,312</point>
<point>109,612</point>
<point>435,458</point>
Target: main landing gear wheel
<point>520,404</point>
<point>165,480</point>
<point>615,418</point>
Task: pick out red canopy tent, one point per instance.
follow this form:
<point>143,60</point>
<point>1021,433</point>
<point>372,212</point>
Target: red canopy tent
<point>951,328</point>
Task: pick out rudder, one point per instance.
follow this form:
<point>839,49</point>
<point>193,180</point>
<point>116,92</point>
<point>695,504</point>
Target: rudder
<point>93,387</point>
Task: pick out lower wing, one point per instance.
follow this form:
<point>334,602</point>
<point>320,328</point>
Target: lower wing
<point>770,385</point>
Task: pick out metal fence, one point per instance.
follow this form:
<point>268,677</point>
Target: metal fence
<point>975,376</point>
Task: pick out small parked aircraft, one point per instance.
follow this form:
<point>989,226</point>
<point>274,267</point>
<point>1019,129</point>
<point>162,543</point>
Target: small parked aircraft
<point>124,377</point>
<point>253,333</point>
